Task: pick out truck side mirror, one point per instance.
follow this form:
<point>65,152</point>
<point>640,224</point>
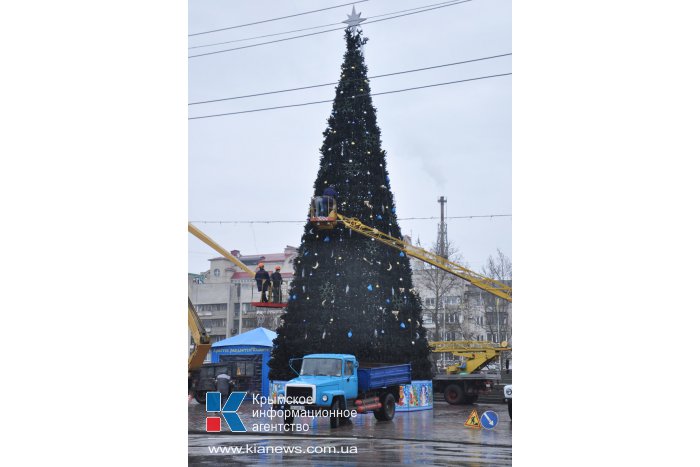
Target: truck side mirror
<point>292,361</point>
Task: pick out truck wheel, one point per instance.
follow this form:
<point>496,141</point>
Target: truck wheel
<point>471,398</point>
<point>388,409</point>
<point>510,408</point>
<point>201,397</point>
<point>335,421</point>
<point>454,394</point>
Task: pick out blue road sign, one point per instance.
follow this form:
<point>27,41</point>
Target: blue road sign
<point>489,419</point>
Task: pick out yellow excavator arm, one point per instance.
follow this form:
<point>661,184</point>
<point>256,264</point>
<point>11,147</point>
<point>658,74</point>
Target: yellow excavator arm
<point>478,354</point>
<point>202,343</point>
<point>487,284</point>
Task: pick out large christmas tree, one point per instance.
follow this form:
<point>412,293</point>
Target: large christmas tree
<point>351,294</point>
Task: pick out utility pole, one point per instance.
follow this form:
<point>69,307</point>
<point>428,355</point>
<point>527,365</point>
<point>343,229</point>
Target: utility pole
<point>230,311</point>
<point>239,289</point>
<point>442,233</point>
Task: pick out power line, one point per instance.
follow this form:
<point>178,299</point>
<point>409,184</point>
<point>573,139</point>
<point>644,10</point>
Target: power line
<point>314,27</point>
<point>306,220</point>
<point>322,32</point>
<point>350,97</point>
<point>455,217</point>
<point>275,19</point>
<point>336,82</point>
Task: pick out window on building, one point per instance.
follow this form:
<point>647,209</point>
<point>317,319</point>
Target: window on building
<point>452,300</point>
<point>428,319</point>
<point>211,307</point>
<point>214,323</point>
<point>430,301</point>
<point>217,272</point>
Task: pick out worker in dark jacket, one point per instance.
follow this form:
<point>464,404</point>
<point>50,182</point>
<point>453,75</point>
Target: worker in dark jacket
<point>329,193</point>
<point>277,285</point>
<point>223,384</point>
<point>262,278</point>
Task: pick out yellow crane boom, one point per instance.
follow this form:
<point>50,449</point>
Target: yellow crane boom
<point>487,284</point>
<point>477,353</point>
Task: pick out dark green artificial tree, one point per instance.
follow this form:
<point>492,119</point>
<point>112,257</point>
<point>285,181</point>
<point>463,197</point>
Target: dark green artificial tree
<point>351,294</point>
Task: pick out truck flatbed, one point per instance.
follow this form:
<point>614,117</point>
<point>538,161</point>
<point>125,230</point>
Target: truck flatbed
<point>383,376</point>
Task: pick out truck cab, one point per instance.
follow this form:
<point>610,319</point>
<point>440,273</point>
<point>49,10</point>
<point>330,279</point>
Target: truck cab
<point>324,378</point>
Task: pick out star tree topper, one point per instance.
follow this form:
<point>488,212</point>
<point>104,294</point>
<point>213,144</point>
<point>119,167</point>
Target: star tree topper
<point>354,19</point>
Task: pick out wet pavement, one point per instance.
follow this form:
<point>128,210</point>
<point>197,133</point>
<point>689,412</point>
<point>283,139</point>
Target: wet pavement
<point>430,437</point>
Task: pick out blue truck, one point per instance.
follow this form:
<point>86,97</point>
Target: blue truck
<point>337,383</point>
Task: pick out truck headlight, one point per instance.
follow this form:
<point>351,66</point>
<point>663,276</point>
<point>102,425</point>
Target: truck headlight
<point>325,398</point>
<point>509,391</point>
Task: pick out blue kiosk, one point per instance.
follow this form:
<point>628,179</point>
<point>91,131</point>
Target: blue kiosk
<point>247,355</point>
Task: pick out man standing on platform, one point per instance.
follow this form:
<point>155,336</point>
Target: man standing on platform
<point>262,278</point>
<point>277,285</point>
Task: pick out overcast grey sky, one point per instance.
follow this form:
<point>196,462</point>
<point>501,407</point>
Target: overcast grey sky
<point>451,140</point>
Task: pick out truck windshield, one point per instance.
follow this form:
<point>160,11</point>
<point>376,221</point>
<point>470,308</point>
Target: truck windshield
<point>321,367</point>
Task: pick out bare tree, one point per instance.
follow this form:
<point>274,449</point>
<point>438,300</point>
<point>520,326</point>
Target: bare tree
<point>440,284</point>
<point>499,268</point>
<point>497,311</point>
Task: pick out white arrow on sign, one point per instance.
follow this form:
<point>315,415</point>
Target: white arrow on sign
<point>487,418</point>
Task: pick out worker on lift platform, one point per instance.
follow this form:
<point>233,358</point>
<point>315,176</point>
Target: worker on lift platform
<point>330,191</point>
<point>277,285</point>
<point>262,279</point>
<point>323,209</point>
